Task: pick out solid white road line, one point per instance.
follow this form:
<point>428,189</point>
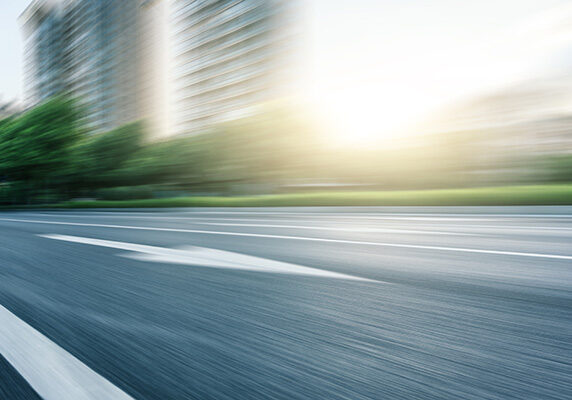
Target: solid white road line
<point>197,220</point>
<point>197,216</point>
<point>312,239</point>
<point>396,230</point>
<point>51,371</point>
<point>326,228</point>
<point>205,257</point>
<point>329,214</point>
<point>411,216</point>
<point>334,213</point>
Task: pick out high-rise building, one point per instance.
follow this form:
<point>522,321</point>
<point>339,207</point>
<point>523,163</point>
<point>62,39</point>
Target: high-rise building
<point>87,49</point>
<point>228,55</point>
<point>100,40</point>
<point>43,57</point>
<point>181,65</point>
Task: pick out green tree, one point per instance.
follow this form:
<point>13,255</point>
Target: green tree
<point>35,148</point>
<point>97,158</point>
<point>178,161</point>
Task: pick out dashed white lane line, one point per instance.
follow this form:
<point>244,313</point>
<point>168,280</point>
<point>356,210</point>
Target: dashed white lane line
<point>205,257</point>
<point>51,371</point>
<point>311,239</point>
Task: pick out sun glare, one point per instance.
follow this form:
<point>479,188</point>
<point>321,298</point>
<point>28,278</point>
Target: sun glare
<point>367,116</point>
<point>371,82</point>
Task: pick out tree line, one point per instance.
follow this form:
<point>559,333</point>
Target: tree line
<point>47,156</point>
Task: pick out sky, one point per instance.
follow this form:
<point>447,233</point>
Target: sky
<point>382,65</point>
<point>10,49</point>
<point>375,66</point>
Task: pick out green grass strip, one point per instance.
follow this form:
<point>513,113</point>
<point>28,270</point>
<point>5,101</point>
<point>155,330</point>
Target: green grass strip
<point>509,195</point>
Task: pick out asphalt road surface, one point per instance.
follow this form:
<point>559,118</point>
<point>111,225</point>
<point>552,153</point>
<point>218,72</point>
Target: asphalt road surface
<point>287,303</point>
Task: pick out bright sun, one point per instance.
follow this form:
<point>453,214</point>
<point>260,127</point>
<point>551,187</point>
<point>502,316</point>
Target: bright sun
<point>365,116</point>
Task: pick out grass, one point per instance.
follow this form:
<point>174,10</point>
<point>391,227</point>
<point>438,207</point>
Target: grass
<point>508,195</point>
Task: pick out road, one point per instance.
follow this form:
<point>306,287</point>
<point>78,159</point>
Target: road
<point>287,303</point>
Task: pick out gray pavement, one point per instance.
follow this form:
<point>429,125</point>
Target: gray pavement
<point>288,303</point>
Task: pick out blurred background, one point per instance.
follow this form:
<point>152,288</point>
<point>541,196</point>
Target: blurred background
<point>155,99</point>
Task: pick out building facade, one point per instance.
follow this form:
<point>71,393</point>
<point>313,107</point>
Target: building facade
<point>228,56</point>
<point>180,65</point>
<point>43,51</point>
<point>87,49</point>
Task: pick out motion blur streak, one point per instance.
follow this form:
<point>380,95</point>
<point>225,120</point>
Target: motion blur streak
<point>450,326</point>
<point>320,111</point>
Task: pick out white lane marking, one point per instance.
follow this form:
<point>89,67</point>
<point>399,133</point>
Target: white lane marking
<point>312,239</point>
<point>380,215</point>
<point>333,213</point>
<point>326,228</point>
<point>338,216</point>
<point>205,257</point>
<point>193,219</point>
<point>510,227</point>
<point>397,230</point>
<point>51,371</point>
<point>302,221</point>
